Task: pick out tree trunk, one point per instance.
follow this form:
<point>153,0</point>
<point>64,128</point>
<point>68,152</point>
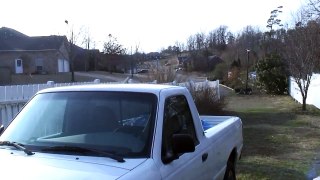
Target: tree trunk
<point>304,103</point>
<point>72,71</point>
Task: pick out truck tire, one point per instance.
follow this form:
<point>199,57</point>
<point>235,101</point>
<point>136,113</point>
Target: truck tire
<point>230,171</point>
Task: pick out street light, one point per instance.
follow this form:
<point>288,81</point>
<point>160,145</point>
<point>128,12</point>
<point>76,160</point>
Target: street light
<point>248,52</point>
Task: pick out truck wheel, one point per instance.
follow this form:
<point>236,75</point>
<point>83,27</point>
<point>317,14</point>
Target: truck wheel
<point>230,171</point>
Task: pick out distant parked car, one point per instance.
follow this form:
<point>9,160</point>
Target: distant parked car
<point>179,69</point>
<point>253,75</point>
<point>143,71</point>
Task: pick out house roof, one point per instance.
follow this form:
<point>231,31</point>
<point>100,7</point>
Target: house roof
<point>215,58</point>
<point>12,40</point>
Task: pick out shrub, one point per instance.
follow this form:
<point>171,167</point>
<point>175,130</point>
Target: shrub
<point>206,99</point>
<point>220,72</point>
<point>272,75</point>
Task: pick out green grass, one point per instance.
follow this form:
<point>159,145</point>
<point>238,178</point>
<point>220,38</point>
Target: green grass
<point>280,141</point>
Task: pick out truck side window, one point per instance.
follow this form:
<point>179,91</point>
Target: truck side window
<point>177,120</point>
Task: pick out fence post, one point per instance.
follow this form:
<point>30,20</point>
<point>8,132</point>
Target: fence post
<point>96,81</point>
<point>2,93</point>
<point>174,83</point>
<point>126,80</point>
<point>2,108</point>
<point>50,83</point>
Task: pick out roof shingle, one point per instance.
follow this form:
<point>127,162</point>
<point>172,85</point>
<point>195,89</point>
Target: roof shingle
<point>12,40</point>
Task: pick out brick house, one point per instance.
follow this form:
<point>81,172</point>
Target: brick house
<point>22,54</point>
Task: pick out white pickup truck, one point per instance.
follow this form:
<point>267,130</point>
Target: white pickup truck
<point>127,131</point>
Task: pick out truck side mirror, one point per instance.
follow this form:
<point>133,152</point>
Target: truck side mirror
<point>1,129</point>
<point>182,143</point>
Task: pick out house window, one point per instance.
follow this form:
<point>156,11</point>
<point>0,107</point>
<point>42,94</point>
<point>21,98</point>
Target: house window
<point>19,63</point>
<point>39,68</point>
<point>39,64</point>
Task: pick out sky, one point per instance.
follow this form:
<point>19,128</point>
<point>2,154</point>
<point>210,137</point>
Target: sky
<point>148,24</point>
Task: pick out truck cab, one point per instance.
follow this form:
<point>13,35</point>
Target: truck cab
<point>132,131</point>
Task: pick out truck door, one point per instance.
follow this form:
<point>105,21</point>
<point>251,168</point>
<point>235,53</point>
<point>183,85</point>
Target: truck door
<point>178,120</point>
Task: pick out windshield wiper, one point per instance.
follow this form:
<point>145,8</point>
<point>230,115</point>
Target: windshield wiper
<point>16,145</point>
<point>83,150</point>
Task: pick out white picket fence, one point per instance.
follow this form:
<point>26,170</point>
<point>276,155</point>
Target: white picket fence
<point>13,98</point>
<point>25,92</point>
<point>313,97</point>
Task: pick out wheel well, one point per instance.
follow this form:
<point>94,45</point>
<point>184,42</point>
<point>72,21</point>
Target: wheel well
<point>233,156</point>
<point>230,172</point>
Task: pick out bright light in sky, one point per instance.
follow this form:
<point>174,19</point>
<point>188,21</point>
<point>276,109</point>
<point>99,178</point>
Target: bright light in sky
<point>152,24</point>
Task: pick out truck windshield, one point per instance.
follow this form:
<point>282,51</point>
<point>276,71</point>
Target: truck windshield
<point>116,122</point>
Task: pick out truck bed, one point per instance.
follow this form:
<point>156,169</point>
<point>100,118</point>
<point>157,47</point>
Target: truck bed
<point>211,121</point>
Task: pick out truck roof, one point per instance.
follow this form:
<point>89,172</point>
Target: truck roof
<point>150,88</point>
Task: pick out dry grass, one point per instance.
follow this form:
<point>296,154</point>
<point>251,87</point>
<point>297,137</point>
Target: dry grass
<point>60,78</point>
<point>161,74</point>
<point>40,79</point>
<point>279,141</point>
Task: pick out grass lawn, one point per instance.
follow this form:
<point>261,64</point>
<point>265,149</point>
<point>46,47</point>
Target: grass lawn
<point>280,141</point>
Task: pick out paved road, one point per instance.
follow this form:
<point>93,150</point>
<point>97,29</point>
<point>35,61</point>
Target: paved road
<point>111,78</point>
<point>114,77</point>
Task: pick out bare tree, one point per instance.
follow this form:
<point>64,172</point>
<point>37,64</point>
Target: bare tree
<point>273,19</point>
<point>200,39</point>
<point>179,48</point>
<point>71,49</point>
<point>314,8</point>
<point>302,54</point>
<point>113,47</point>
<point>217,39</point>
<point>114,54</point>
<point>221,40</point>
<point>198,48</point>
<point>135,58</point>
<point>250,38</point>
<point>191,44</point>
<point>88,43</point>
<point>230,38</point>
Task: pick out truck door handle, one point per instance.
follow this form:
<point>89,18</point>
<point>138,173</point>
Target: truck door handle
<point>204,157</point>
